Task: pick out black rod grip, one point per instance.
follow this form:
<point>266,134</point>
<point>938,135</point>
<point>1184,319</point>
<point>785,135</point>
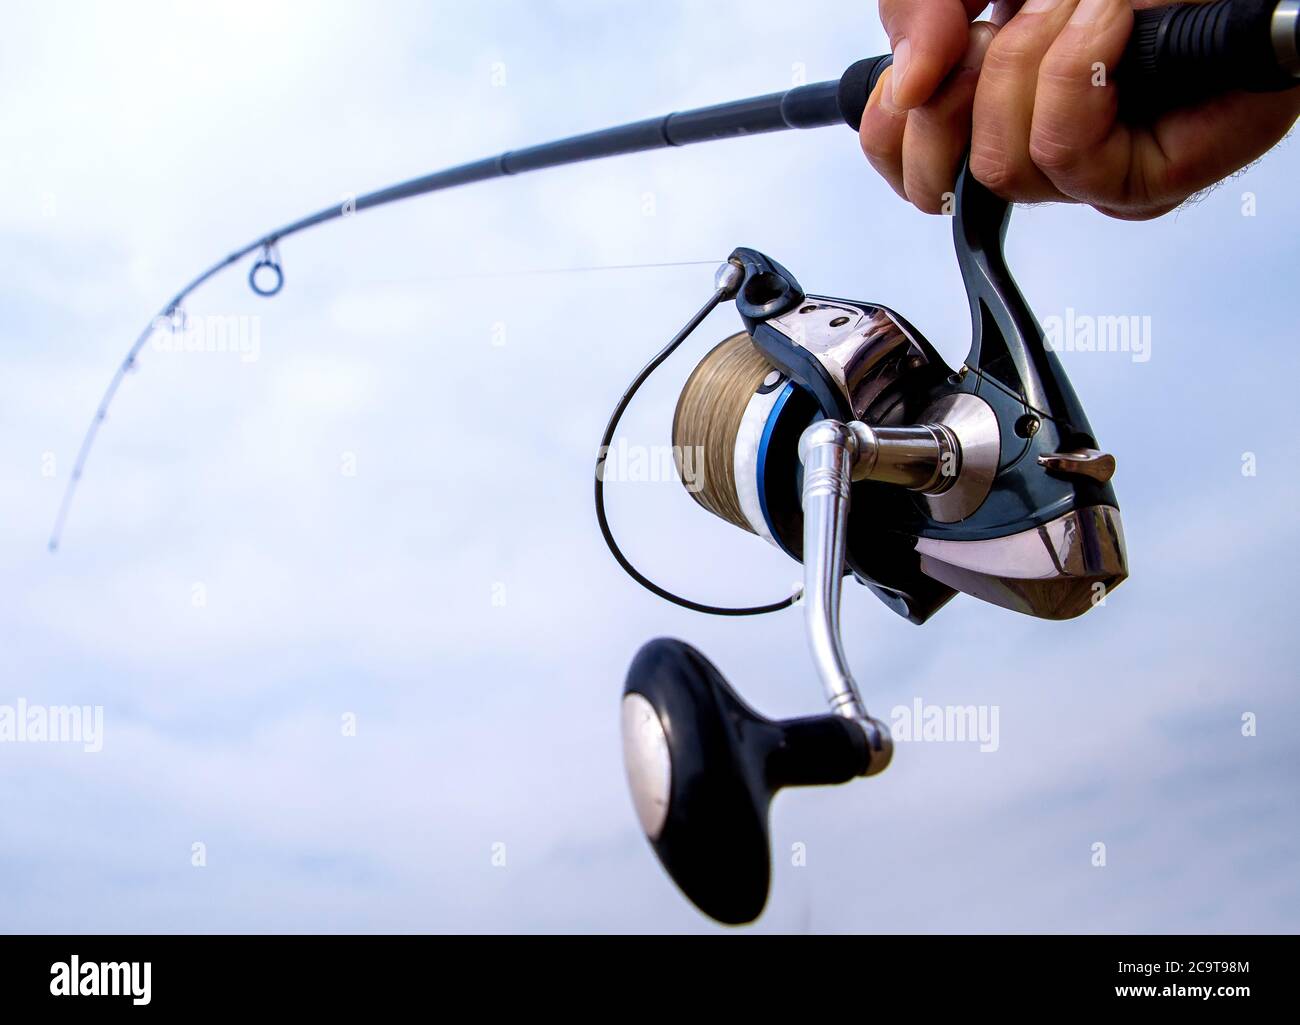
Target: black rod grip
<point>857,85</point>
<point>1177,55</point>
<point>1188,52</point>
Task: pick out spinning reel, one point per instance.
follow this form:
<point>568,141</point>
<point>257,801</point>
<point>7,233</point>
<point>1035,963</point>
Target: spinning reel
<point>834,430</point>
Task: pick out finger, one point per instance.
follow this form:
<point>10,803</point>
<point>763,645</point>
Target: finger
<point>1004,102</point>
<point>881,135</point>
<point>928,38</point>
<point>1004,10</point>
<point>1074,137</point>
<point>1189,150</point>
<point>938,133</point>
<point>1136,172</point>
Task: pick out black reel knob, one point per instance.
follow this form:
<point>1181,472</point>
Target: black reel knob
<point>703,767</point>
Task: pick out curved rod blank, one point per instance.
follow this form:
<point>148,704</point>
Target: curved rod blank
<point>806,106</point>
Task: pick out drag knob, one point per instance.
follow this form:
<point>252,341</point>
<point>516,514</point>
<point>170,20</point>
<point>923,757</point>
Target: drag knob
<point>703,767</point>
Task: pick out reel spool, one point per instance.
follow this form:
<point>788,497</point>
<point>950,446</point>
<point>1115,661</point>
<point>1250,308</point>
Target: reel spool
<point>707,423</point>
<point>736,431</point>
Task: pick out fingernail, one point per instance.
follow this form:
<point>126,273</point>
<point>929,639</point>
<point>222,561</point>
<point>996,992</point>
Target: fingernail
<point>1038,6</point>
<point>886,92</point>
<point>902,54</point>
<point>1089,11</point>
<point>981,35</point>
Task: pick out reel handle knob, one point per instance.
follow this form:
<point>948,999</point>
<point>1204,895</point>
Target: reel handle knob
<point>703,767</point>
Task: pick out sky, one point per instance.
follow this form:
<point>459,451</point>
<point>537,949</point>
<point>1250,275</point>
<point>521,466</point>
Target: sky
<point>358,644</point>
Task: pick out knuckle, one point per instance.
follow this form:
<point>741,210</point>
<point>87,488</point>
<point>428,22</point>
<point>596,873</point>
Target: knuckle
<point>1171,183</point>
<point>993,168</point>
<point>1054,151</point>
<point>925,197</point>
<point>1147,190</point>
<point>893,16</point>
<point>877,146</point>
<point>1008,53</point>
<point>1060,73</point>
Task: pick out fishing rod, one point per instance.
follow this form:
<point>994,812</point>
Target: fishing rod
<point>1175,52</point>
<point>833,429</point>
<point>810,106</point>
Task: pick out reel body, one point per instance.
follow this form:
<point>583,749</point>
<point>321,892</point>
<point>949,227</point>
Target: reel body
<point>1025,518</point>
<point>835,431</point>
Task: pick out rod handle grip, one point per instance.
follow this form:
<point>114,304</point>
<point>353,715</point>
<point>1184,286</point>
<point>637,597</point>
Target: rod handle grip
<point>1176,56</point>
<point>857,85</point>
<point>1186,53</point>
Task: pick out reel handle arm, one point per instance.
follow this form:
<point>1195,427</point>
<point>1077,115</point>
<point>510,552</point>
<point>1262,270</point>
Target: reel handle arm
<point>1176,55</point>
<point>926,458</point>
<point>828,450</point>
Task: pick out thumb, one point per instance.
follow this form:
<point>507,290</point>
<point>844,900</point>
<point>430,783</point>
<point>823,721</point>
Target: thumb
<point>928,38</point>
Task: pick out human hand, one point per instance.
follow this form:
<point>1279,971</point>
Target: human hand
<point>1023,93</point>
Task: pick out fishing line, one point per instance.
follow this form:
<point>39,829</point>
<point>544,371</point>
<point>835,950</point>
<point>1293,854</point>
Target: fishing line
<point>541,271</point>
<point>573,270</point>
<point>607,439</point>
